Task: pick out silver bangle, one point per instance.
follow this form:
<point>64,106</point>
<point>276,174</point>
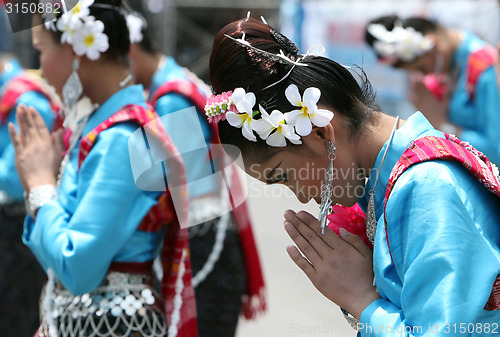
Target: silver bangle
<point>38,197</point>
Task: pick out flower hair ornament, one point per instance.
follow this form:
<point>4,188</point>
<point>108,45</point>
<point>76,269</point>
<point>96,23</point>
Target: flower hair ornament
<point>83,32</point>
<point>238,108</point>
<point>404,44</point>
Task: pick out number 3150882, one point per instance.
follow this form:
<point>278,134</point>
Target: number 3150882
<point>471,328</point>
<point>32,8</point>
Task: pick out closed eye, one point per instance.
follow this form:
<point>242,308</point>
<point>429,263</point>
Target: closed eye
<point>283,178</point>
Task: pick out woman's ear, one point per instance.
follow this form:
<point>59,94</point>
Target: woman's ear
<point>325,133</point>
<point>319,137</point>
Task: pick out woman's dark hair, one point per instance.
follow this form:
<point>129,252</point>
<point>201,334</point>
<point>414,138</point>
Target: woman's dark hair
<point>233,66</point>
<point>112,14</point>
<point>422,25</point>
<point>148,42</point>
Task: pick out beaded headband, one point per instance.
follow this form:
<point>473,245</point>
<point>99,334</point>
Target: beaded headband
<point>404,44</point>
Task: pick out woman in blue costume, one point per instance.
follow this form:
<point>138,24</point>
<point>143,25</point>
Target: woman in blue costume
<point>460,69</point>
<point>87,226</point>
<point>22,277</point>
<point>434,270</point>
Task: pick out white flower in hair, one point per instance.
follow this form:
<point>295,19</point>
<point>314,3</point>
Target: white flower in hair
<point>90,40</point>
<point>81,9</point>
<point>134,24</point>
<point>73,18</point>
<point>244,102</point>
<point>275,122</point>
<point>309,112</point>
<point>67,26</point>
<point>401,43</point>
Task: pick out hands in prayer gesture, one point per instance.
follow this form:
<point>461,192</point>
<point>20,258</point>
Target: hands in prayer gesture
<point>341,268</point>
<point>38,152</point>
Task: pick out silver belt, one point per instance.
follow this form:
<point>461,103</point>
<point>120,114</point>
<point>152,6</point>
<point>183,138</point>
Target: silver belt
<point>122,305</point>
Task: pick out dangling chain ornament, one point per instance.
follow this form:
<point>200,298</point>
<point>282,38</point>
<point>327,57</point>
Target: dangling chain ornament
<point>326,187</point>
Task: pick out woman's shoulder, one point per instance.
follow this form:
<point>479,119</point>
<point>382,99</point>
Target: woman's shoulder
<point>441,179</point>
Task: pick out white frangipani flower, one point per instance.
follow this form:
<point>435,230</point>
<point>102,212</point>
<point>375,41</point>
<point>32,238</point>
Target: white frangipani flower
<point>309,112</point>
<point>90,40</point>
<point>81,9</point>
<point>275,122</point>
<point>404,43</point>
<point>67,26</point>
<point>134,24</point>
<point>244,102</point>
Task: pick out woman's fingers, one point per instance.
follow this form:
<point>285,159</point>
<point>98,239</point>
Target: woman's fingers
<point>14,137</point>
<point>309,227</point>
<point>33,128</point>
<point>356,242</point>
<point>302,243</point>
<point>39,123</point>
<point>300,261</point>
<point>22,122</point>
<point>58,140</point>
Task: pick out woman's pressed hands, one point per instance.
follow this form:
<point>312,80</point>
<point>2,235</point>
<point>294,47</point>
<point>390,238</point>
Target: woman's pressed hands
<point>341,268</point>
<point>38,152</point>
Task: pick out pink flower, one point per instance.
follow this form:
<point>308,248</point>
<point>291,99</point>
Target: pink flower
<point>352,219</point>
<point>436,84</point>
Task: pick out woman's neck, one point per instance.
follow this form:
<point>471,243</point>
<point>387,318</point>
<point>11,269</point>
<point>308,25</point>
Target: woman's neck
<point>450,40</point>
<point>104,80</point>
<point>371,142</point>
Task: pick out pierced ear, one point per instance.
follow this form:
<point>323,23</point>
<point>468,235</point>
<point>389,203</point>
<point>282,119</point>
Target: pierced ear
<point>326,133</point>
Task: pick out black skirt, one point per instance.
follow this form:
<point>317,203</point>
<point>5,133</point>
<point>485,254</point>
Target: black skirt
<point>21,277</point>
<point>218,297</point>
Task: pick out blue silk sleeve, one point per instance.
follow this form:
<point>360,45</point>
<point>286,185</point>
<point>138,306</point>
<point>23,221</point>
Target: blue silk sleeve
<point>443,233</point>
<point>79,246</point>
<point>487,101</point>
<point>9,180</point>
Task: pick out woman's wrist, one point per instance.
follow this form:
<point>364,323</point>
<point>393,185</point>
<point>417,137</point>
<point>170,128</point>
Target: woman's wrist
<point>39,196</point>
<point>40,180</point>
<point>363,302</point>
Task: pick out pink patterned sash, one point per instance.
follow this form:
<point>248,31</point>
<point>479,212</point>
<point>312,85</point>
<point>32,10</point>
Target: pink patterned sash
<point>478,62</point>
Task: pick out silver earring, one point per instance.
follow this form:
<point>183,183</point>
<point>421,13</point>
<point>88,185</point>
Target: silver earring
<point>326,187</point>
<point>73,88</point>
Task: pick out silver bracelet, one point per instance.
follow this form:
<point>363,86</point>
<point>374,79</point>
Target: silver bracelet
<point>38,197</point>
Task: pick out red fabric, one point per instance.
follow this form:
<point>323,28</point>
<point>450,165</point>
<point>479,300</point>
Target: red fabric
<point>162,215</point>
<point>449,148</point>
<point>20,85</point>
<point>254,300</point>
<point>352,219</point>
<point>478,62</point>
